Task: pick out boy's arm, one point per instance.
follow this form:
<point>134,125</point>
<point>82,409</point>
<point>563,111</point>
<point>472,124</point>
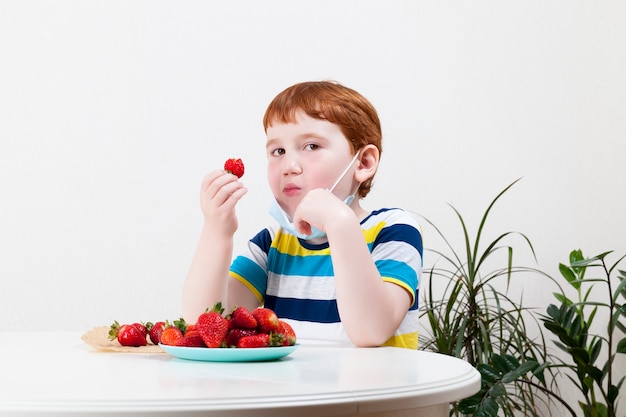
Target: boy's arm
<point>206,281</point>
<point>370,309</point>
<point>207,277</point>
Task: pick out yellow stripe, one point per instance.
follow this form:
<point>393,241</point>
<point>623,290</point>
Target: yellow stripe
<point>407,341</point>
<point>402,284</point>
<point>248,286</point>
<point>289,244</point>
<point>371,233</point>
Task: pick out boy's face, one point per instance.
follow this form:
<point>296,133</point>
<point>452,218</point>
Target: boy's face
<point>305,155</point>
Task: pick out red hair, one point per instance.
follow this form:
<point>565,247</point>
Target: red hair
<point>343,106</point>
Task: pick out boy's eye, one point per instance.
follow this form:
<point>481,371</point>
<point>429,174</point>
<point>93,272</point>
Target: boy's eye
<point>311,146</point>
<point>278,152</point>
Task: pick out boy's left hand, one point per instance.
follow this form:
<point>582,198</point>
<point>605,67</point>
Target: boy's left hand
<point>321,209</point>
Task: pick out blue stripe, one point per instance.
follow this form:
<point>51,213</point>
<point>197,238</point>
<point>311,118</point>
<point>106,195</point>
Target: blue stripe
<point>314,266</point>
<point>395,269</point>
<point>319,311</point>
<point>263,240</point>
<point>377,212</point>
<point>251,271</point>
<point>416,304</point>
<point>401,233</point>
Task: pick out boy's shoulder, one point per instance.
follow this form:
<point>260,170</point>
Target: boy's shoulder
<point>391,215</point>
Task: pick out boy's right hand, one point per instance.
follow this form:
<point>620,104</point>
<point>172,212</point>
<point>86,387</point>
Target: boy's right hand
<point>219,193</point>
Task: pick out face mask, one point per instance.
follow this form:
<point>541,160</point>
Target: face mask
<point>287,225</point>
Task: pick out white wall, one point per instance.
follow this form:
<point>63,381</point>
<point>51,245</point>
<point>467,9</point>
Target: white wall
<point>112,111</point>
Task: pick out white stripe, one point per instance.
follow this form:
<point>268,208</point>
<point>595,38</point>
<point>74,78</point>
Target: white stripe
<point>398,251</point>
<point>295,286</point>
<point>319,331</point>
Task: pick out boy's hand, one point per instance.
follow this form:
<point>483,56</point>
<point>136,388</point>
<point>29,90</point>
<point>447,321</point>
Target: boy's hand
<point>219,193</point>
<point>321,209</point>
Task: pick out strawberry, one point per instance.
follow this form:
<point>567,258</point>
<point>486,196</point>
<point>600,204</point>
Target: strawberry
<point>288,333</point>
<point>170,335</point>
<point>260,340</point>
<point>233,336</point>
<point>141,328</point>
<point>267,320</point>
<point>234,166</point>
<point>212,326</point>
<point>128,334</point>
<point>190,339</point>
<point>155,330</point>
<point>242,318</point>
<point>255,341</point>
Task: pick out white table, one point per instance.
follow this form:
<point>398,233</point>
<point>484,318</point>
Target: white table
<point>57,374</point>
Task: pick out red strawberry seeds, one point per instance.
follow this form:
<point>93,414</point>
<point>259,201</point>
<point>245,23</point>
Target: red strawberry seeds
<point>234,166</point>
<point>129,334</point>
<point>213,327</point>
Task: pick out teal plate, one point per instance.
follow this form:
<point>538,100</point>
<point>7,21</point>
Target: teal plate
<point>229,354</point>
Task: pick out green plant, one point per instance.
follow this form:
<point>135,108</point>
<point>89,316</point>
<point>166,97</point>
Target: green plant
<point>475,319</point>
<point>572,323</point>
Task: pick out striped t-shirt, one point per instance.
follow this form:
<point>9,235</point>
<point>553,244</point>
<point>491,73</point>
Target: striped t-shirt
<point>295,278</point>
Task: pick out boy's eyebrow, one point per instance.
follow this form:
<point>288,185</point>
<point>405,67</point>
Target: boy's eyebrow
<point>273,142</point>
<point>303,136</point>
<point>270,143</point>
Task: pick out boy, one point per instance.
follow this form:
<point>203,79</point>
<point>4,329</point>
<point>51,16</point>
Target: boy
<point>331,269</point>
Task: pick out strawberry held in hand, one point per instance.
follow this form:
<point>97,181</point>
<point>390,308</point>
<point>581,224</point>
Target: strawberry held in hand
<point>234,166</point>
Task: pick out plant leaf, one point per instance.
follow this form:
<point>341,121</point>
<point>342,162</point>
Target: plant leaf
<point>504,363</point>
<point>553,311</point>
<point>516,374</point>
<point>562,298</point>
<point>470,404</point>
<point>538,372</point>
<point>497,390</point>
<point>612,394</point>
<point>621,346</point>
<point>590,261</point>
<point>488,407</point>
<point>596,374</point>
<point>569,275</point>
<point>579,354</point>
<point>622,276</point>
<point>576,256</point>
<point>597,409</point>
<point>619,290</point>
<point>489,374</point>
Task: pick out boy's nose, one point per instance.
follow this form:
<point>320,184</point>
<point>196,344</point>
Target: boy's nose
<point>291,166</point>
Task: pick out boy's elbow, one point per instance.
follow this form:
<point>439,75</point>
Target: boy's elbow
<point>368,339</point>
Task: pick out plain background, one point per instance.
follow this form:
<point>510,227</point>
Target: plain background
<point>111,112</point>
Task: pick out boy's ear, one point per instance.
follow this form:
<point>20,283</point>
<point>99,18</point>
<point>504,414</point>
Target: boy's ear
<point>368,163</point>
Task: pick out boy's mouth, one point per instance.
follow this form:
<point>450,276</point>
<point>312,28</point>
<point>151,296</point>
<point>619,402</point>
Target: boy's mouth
<point>291,190</point>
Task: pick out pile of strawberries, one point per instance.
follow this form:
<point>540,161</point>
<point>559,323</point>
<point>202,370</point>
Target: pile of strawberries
<point>241,328</point>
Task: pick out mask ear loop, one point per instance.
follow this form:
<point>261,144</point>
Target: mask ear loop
<point>343,174</point>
